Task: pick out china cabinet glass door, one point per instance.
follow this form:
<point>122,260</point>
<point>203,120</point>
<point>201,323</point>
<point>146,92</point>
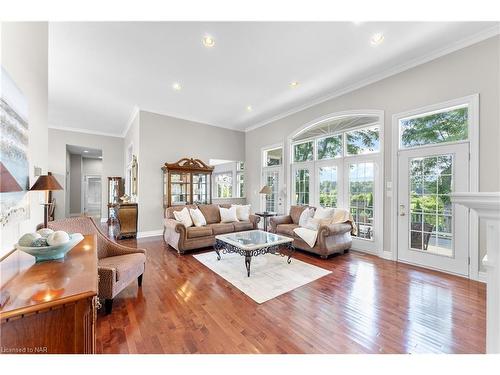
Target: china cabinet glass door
<point>180,186</point>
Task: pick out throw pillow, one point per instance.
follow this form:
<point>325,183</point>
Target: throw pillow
<point>313,223</point>
<point>198,218</point>
<point>228,215</point>
<point>184,217</point>
<point>324,213</point>
<point>305,216</point>
<point>242,211</point>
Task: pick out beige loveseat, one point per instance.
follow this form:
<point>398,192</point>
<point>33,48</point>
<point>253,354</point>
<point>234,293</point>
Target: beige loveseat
<point>332,238</point>
<point>183,239</point>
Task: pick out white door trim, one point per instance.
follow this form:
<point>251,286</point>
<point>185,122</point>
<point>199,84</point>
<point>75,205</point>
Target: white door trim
<point>473,132</point>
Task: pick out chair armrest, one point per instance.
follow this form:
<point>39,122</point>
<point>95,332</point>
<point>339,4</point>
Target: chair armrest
<point>331,229</point>
<point>254,219</point>
<point>277,220</point>
<point>114,249</point>
<point>175,226</point>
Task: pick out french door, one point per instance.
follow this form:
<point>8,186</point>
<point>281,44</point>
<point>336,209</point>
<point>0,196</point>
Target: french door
<point>273,177</point>
<point>433,232</point>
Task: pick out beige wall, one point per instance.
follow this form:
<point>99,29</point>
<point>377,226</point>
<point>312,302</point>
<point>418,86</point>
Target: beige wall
<point>168,139</point>
<point>474,69</point>
<point>24,56</point>
<point>112,161</point>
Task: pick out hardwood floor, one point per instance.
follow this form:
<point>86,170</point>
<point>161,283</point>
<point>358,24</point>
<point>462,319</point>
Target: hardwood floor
<point>367,305</point>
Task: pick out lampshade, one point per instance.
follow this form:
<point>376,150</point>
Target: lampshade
<point>266,189</point>
<point>8,183</point>
<point>46,183</point>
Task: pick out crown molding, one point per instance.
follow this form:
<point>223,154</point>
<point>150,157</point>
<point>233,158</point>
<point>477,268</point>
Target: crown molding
<point>84,131</point>
<point>456,46</point>
<point>133,114</point>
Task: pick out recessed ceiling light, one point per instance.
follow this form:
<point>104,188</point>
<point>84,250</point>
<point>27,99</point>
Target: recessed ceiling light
<point>249,108</point>
<point>376,39</point>
<point>176,86</point>
<point>294,84</point>
<point>85,151</point>
<point>208,41</point>
<point>100,157</point>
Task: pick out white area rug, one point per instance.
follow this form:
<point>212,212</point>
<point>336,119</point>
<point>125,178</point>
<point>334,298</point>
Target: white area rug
<point>270,275</point>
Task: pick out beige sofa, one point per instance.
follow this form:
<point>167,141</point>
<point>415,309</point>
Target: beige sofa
<point>332,238</point>
<point>183,239</point>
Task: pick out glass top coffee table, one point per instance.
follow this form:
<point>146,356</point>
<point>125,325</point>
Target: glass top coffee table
<point>253,243</point>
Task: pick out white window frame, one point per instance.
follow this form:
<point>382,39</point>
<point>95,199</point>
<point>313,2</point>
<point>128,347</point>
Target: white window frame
<point>472,102</point>
<point>374,246</point>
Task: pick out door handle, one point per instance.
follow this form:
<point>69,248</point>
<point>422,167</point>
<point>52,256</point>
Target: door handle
<point>402,210</point>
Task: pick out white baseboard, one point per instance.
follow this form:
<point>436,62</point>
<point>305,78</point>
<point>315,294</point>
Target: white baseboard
<point>482,277</point>
<point>150,233</point>
<point>104,219</point>
<point>386,255</point>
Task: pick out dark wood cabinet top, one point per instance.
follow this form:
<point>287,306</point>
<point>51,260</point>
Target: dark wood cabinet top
<point>47,284</point>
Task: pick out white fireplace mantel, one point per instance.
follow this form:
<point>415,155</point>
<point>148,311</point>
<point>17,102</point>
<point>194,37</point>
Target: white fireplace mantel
<point>487,206</point>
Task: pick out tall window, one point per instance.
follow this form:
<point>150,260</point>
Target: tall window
<point>302,186</point>
<point>334,164</point>
<point>327,186</point>
<point>240,180</point>
<point>224,185</point>
<point>361,192</point>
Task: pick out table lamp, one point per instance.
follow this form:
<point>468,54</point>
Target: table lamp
<point>46,183</point>
<point>266,190</point>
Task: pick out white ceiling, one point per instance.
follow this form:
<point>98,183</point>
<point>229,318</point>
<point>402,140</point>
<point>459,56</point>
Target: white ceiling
<point>100,71</point>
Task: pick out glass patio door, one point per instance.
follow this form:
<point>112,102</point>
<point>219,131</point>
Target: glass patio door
<point>433,232</point>
<point>328,184</point>
<point>273,202</point>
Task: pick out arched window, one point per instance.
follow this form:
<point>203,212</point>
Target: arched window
<point>337,161</point>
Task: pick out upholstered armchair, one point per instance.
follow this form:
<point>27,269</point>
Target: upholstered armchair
<point>118,265</point>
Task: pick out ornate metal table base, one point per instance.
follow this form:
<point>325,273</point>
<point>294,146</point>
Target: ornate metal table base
<point>286,249</point>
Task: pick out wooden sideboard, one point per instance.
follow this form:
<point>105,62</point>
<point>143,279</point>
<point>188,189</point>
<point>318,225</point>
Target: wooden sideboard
<point>126,213</point>
<point>52,305</point>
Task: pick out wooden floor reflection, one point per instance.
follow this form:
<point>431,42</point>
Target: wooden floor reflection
<point>367,305</point>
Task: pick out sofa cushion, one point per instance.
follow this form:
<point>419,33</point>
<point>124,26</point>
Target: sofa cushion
<point>286,229</point>
<point>211,213</point>
<point>195,232</point>
<point>242,225</point>
<point>295,212</point>
<point>222,228</point>
<point>127,266</point>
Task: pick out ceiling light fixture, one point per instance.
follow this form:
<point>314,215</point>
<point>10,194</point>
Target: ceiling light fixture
<point>294,84</point>
<point>85,151</point>
<point>208,41</point>
<point>249,108</point>
<point>176,86</point>
<point>376,39</point>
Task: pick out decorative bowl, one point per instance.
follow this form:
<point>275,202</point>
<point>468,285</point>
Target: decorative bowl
<point>52,252</point>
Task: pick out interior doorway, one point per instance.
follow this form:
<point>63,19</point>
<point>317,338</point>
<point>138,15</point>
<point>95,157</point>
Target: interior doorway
<point>84,182</point>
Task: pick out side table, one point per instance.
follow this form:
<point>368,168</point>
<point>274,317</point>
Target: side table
<point>265,215</point>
